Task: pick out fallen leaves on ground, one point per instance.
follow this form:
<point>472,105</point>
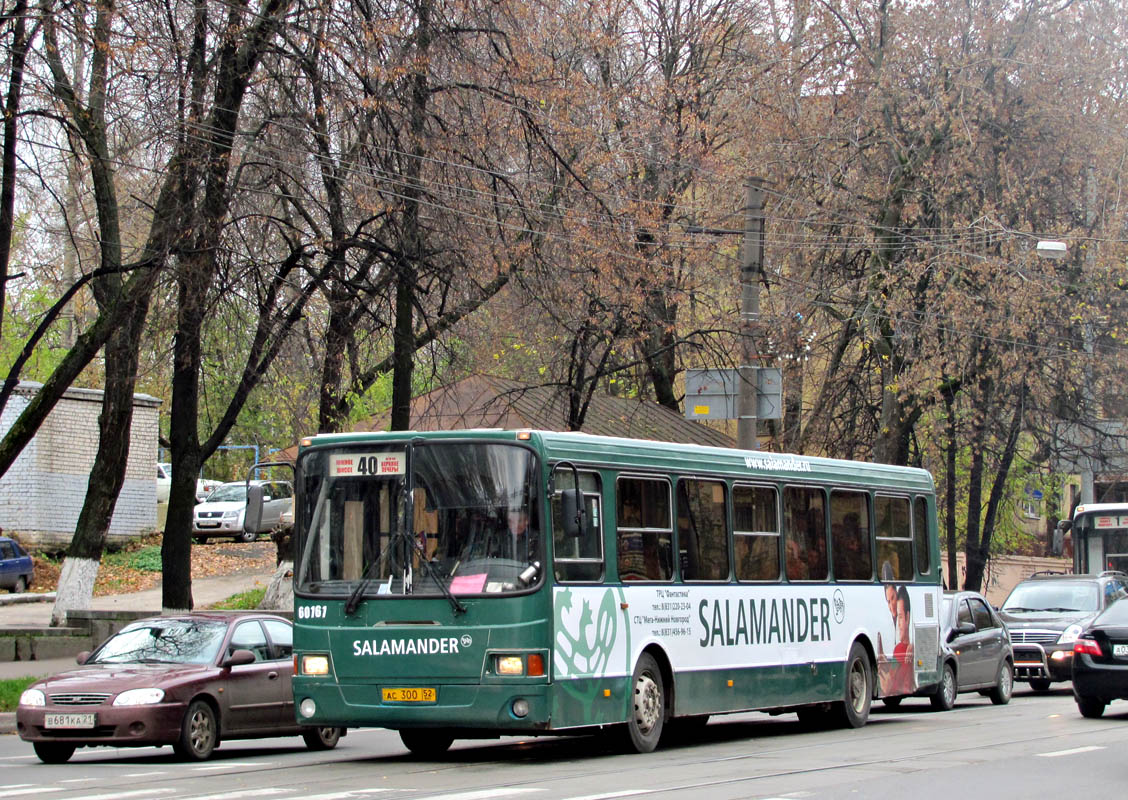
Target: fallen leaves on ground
<point>208,560</point>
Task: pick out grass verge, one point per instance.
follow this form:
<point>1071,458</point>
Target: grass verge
<point>10,691</point>
<point>243,601</point>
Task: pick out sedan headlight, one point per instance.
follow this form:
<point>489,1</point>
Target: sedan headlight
<point>1070,635</point>
<point>139,697</point>
<point>33,697</point>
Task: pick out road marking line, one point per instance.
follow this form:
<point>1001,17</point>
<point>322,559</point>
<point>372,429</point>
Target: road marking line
<point>349,794</point>
<point>30,790</point>
<point>142,774</point>
<point>1072,752</point>
<point>609,795</point>
<point>226,764</point>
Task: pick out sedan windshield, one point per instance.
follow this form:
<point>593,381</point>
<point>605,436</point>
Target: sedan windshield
<point>174,641</point>
<point>1056,596</point>
<point>470,525</point>
<point>228,492</point>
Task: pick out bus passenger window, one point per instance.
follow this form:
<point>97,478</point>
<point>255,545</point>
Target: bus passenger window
<point>850,536</point>
<point>755,535</point>
<point>702,531</point>
<point>920,537</point>
<point>894,537</point>
<point>805,531</point>
<point>578,558</point>
<point>644,530</point>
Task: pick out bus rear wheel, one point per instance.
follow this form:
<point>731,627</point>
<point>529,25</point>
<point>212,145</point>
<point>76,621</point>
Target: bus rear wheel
<point>426,742</point>
<point>647,713</point>
<point>853,710</point>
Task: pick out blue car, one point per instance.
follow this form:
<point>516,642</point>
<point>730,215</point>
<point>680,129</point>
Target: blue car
<point>15,566</point>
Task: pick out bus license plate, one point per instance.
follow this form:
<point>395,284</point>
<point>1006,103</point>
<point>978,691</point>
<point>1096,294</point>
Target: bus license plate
<point>71,721</point>
<point>409,695</point>
<point>1120,649</point>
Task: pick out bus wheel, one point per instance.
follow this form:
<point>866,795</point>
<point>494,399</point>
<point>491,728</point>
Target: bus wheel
<point>426,742</point>
<point>648,705</point>
<point>855,706</point>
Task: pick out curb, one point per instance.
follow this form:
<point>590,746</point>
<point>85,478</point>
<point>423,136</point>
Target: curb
<point>8,722</point>
<point>13,599</point>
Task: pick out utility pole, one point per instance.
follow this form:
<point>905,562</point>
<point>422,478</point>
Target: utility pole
<point>751,271</point>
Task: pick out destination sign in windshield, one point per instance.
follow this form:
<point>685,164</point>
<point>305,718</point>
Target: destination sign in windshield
<point>366,465</point>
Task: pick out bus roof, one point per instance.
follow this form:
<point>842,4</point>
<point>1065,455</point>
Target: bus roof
<point>621,453</point>
<point>1100,508</point>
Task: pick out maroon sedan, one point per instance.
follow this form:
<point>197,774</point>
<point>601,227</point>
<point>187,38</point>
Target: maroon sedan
<point>189,681</point>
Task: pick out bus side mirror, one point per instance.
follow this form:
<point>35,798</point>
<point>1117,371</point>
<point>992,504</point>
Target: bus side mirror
<point>252,518</point>
<point>572,509</point>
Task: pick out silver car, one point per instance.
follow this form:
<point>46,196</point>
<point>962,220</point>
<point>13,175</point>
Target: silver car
<point>221,515</point>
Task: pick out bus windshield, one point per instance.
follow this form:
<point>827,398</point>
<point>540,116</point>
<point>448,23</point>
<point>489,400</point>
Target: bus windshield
<point>451,518</point>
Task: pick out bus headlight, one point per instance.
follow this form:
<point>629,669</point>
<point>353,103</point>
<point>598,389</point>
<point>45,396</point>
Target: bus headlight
<point>510,665</point>
<point>520,707</point>
<point>307,708</point>
<point>314,664</point>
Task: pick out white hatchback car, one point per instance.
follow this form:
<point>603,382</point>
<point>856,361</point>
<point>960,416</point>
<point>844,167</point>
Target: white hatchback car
<point>222,513</point>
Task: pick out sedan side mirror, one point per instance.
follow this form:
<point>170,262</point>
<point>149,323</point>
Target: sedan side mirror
<point>238,658</point>
<point>964,628</point>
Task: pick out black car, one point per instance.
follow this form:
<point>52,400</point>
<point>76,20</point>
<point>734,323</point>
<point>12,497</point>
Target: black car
<point>976,651</point>
<point>1047,612</point>
<point>1100,661</point>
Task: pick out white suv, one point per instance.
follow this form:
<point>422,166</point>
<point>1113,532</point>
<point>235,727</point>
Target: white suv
<point>222,513</point>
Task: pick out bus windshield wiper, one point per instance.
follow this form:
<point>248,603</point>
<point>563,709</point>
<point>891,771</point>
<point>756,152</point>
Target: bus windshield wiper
<point>455,603</point>
<point>353,603</point>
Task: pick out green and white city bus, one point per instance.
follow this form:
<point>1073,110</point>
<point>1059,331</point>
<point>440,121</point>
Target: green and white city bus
<point>470,584</point>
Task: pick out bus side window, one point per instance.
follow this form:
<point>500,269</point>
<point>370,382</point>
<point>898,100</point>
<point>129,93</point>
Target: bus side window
<point>805,533</point>
<point>894,537</point>
<point>702,530</point>
<point>578,558</point>
<point>920,536</point>
<point>755,535</point>
<point>644,530</point>
<point>850,536</point>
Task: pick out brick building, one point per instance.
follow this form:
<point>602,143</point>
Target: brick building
<point>42,494</point>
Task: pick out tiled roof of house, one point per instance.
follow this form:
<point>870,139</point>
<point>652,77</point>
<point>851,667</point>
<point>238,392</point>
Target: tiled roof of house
<point>484,401</point>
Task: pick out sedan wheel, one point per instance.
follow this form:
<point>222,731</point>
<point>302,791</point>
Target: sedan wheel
<point>53,752</point>
<point>247,537</point>
<point>21,585</point>
<point>945,697</point>
<point>199,733</point>
<point>1040,684</point>
<point>1004,685</point>
<point>1090,707</point>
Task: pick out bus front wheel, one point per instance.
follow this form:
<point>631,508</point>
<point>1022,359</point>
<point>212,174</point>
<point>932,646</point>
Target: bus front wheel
<point>647,712</point>
<point>855,705</point>
<point>426,742</point>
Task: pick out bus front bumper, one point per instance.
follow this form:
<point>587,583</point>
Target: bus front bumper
<point>496,707</point>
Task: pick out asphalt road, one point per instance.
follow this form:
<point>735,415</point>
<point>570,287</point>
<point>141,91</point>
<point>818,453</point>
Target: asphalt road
<point>1037,746</point>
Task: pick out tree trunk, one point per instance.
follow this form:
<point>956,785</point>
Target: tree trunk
<point>18,56</point>
<point>76,582</point>
<point>950,448</point>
